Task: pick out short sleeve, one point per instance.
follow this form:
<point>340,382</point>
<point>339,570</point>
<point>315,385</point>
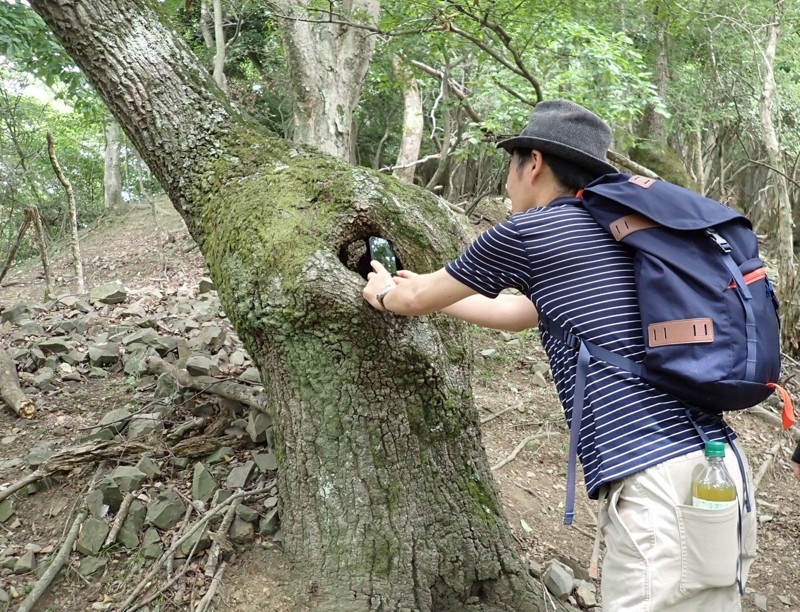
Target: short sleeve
<point>495,261</point>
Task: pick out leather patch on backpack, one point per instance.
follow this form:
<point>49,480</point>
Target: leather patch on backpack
<point>684,331</point>
<point>642,181</point>
<point>629,224</point>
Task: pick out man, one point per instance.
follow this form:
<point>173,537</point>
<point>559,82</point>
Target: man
<point>639,447</point>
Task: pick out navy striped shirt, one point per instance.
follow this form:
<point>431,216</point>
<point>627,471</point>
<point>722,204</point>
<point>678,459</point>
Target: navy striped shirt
<point>579,277</point>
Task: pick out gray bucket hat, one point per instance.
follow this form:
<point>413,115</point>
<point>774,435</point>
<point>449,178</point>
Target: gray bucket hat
<point>569,131</point>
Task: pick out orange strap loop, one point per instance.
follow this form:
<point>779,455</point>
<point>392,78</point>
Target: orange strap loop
<point>787,414</point>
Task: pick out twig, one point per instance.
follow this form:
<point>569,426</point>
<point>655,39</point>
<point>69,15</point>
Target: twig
<point>212,589</point>
<point>621,160</point>
<point>56,565</point>
<point>198,525</point>
<point>497,414</point>
<point>37,474</point>
<point>765,465</point>
<point>516,451</point>
<point>119,519</point>
<point>184,524</point>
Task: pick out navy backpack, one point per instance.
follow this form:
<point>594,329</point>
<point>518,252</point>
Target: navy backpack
<point>709,314</point>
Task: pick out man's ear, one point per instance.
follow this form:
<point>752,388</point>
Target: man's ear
<point>538,164</point>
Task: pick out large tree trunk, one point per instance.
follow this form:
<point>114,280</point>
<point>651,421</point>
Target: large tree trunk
<point>781,205</point>
<point>387,501</point>
<point>327,65</point>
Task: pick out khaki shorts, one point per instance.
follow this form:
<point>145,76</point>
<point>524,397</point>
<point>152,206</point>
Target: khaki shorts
<point>663,554</point>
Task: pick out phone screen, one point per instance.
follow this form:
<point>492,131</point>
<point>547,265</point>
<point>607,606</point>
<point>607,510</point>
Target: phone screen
<point>381,250</point>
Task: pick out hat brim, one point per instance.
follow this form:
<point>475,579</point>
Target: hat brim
<point>579,158</point>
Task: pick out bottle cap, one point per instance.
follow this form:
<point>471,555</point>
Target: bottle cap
<point>715,449</point>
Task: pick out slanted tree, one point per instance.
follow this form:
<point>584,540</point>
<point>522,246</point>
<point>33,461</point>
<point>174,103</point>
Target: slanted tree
<point>387,502</point>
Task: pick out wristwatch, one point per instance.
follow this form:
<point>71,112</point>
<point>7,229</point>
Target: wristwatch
<point>382,294</point>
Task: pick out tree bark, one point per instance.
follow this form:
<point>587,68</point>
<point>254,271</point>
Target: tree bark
<point>412,124</point>
<point>327,65</point>
<point>112,179</point>
<point>219,45</point>
<point>387,500</point>
<point>73,213</point>
<point>41,240</point>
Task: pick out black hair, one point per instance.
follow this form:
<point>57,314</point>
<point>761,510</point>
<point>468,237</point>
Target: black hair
<point>568,175</point>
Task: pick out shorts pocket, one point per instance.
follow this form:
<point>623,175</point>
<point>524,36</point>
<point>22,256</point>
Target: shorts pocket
<point>709,547</point>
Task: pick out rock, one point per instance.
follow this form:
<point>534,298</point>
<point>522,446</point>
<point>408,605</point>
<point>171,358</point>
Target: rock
<point>16,313</point>
<point>166,510</point>
<point>271,502</point>
<point>559,580</point>
<point>112,496</point>
<point>247,514</point>
<point>103,355</point>
<point>535,568</point>
<point>40,453</point>
<point>7,509</point>
<point>203,483</point>
<point>488,352</point>
<point>57,346</point>
<point>206,285</point>
<point>151,544</point>
<point>44,378</point>
<point>94,501</point>
<point>257,425</point>
<point>148,466</point>
<point>241,532</point>
<point>26,563</point>
<point>93,534</point>
<point>219,455</point>
<point>220,496</point>
<point>143,425</point>
<point>239,476</point>
<point>211,339</point>
<point>4,596</point>
<point>585,594</point>
<point>200,365</point>
<point>266,462</point>
<point>128,478</point>
<point>268,524</point>
<point>579,571</point>
<point>200,537</point>
<point>115,420</point>
<point>238,358</point>
<point>251,375</point>
<point>129,533</point>
<point>166,386</point>
<point>110,293</point>
<point>91,565</point>
<point>74,357</point>
<point>759,601</point>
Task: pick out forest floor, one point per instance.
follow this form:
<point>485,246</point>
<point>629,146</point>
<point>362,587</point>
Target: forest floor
<point>514,395</point>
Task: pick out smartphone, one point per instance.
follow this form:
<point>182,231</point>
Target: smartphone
<point>381,250</point>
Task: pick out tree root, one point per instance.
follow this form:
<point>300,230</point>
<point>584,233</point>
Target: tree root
<point>10,390</point>
<point>224,388</point>
<point>516,451</point>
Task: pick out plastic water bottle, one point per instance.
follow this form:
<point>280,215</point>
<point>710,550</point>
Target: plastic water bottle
<point>714,489</point>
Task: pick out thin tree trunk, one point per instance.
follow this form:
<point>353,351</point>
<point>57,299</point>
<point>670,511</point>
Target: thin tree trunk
<point>73,213</point>
<point>41,240</point>
<point>412,124</point>
<point>327,65</point>
<point>206,25</point>
<point>26,221</point>
<point>219,45</point>
<point>112,180</point>
<point>387,500</point>
<point>782,208</point>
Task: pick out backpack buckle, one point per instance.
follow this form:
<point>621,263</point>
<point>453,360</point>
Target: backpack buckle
<point>719,240</point>
<point>571,340</point>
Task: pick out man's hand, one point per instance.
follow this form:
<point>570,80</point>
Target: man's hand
<point>796,469</point>
<point>377,281</point>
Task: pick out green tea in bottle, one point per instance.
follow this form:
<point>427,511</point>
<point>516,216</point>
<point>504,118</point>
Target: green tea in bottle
<point>714,489</point>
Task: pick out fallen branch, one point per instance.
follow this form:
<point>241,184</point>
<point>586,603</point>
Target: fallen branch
<point>222,532</point>
<point>224,388</point>
<point>497,414</point>
<point>765,465</point>
<point>10,390</point>
<point>55,566</point>
<point>212,589</point>
<point>516,451</point>
<point>116,527</point>
<point>74,456</point>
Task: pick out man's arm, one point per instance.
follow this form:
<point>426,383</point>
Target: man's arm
<point>419,294</point>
